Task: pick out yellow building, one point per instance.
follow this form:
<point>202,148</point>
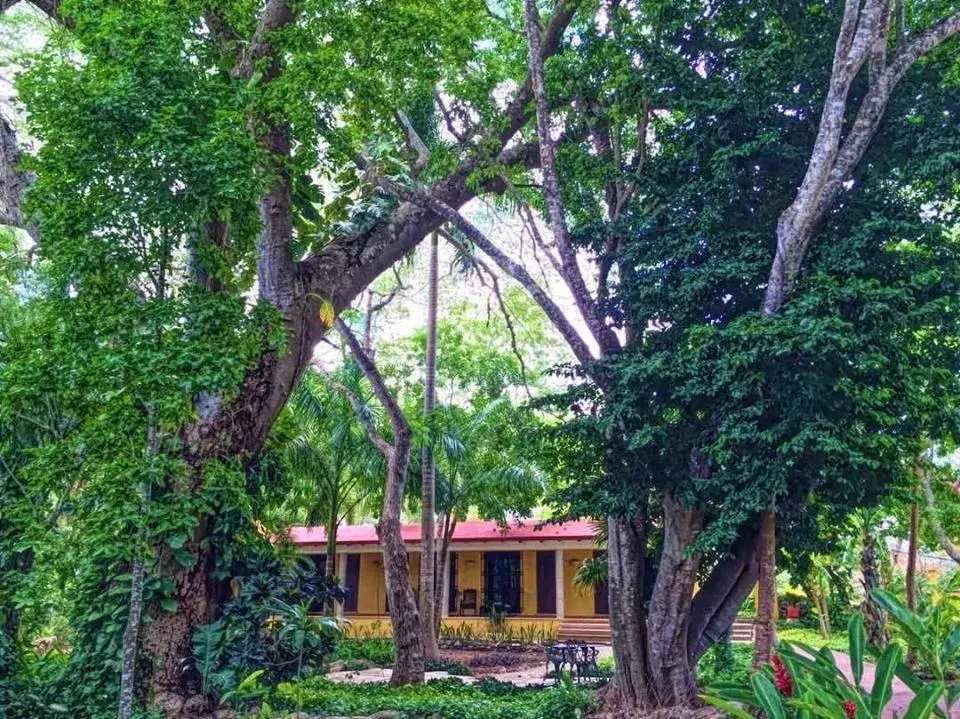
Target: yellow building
<point>526,570</point>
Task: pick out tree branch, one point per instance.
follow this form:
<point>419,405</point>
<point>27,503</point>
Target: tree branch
<point>398,422</point>
<point>556,212</point>
<point>949,547</point>
<point>494,287</point>
<point>515,270</point>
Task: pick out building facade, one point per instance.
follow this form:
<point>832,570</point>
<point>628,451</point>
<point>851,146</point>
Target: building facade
<point>524,572</point>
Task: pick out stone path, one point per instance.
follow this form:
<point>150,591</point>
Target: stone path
<point>529,676</point>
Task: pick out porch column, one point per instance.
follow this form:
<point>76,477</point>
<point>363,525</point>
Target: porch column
<point>341,567</point>
<point>445,589</point>
<point>558,571</point>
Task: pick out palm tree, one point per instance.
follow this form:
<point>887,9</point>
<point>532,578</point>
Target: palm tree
<point>335,468</point>
<point>428,485</point>
<point>472,474</point>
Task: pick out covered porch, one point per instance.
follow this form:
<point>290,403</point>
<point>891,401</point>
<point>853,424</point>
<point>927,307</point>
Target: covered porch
<point>526,572</point>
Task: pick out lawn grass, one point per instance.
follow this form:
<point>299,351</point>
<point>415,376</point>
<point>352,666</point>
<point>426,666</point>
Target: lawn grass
<point>811,637</point>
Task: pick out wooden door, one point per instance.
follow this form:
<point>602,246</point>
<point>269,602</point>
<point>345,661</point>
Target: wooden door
<point>351,584</point>
<point>546,583</point>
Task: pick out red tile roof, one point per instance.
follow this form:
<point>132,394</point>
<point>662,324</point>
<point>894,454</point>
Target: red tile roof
<point>527,530</point>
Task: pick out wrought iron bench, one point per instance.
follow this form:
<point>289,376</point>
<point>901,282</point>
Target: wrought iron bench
<point>579,657</point>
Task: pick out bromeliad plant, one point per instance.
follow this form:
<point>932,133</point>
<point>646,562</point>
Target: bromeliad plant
<point>804,683</point>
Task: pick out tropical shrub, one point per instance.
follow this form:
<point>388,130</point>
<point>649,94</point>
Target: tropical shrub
<point>268,625</point>
<point>804,683</point>
<point>380,652</point>
<point>447,698</point>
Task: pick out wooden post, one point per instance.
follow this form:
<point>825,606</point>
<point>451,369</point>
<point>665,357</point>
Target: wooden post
<point>558,570</point>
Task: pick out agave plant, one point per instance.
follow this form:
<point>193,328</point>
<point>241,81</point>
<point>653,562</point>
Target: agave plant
<point>804,683</point>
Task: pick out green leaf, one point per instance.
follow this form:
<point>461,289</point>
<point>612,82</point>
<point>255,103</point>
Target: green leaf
<point>882,690</point>
<point>925,701</point>
<point>950,646</point>
<point>177,541</point>
<point>168,605</point>
<point>185,558</point>
<point>768,696</point>
<point>857,643</point>
<point>729,707</point>
<point>903,616</point>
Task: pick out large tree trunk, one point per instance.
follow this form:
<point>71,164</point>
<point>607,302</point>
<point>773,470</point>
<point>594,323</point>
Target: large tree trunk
<point>873,615</point>
<point>428,559</point>
<point>765,623</point>
<point>626,558</point>
<point>404,614</point>
<point>167,640</point>
<point>671,675</point>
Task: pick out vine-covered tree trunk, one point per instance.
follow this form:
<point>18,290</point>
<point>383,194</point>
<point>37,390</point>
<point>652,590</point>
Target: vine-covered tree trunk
<point>428,555</point>
<point>765,624</point>
<point>131,633</point>
<point>873,615</point>
<point>626,550</point>
<point>671,675</point>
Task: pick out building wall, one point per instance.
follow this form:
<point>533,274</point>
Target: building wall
<point>578,602</point>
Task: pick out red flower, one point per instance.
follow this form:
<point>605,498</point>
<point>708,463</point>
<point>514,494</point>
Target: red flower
<point>781,677</point>
<point>850,709</point>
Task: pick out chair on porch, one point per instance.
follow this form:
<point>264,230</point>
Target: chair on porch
<point>468,601</point>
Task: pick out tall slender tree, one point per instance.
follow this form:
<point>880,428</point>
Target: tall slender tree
<point>428,555</point>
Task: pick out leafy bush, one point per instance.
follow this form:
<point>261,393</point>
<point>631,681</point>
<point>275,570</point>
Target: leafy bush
<point>380,652</point>
<point>268,626</point>
<point>457,669</point>
<point>804,682</point>
<point>725,661</point>
<point>449,698</point>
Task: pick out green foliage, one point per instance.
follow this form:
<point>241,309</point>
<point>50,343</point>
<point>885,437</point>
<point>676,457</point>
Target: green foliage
<point>447,698</point>
<point>268,626</point>
<point>725,662</point>
<point>806,682</point>
<point>380,652</point>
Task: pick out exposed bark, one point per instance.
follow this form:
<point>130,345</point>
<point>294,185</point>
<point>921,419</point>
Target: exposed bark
<point>765,623</point>
<point>13,182</point>
<point>626,550</point>
<point>428,558</point>
<point>671,675</point>
<point>873,615</point>
<point>404,613</point>
<point>715,606</point>
<point>556,213</point>
<point>834,156</point>
<point>912,548</point>
<point>449,526</point>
